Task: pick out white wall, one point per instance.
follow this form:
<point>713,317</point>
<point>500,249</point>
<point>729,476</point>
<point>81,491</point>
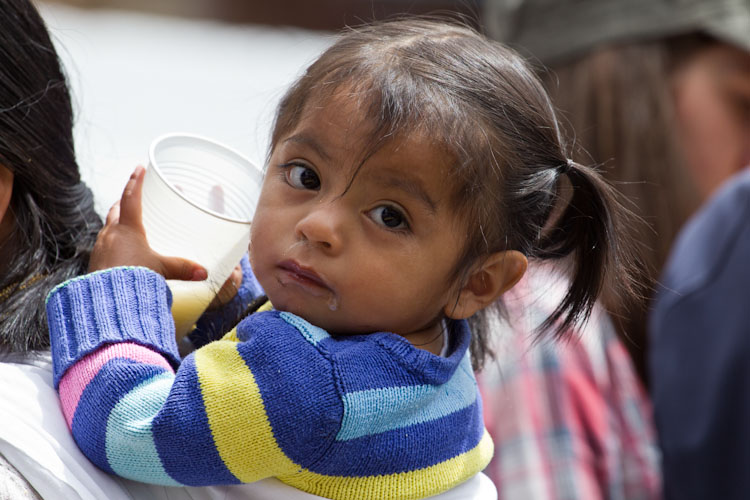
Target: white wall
<point>135,77</point>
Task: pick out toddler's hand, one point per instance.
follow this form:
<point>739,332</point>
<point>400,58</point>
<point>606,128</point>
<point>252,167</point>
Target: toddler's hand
<point>122,241</point>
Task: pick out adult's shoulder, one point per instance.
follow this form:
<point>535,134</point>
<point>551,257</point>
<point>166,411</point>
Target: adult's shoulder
<point>710,242</point>
<point>700,345</point>
<point>707,279</point>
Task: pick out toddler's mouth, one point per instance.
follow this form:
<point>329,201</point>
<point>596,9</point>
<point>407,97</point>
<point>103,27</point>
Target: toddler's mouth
<point>294,273</point>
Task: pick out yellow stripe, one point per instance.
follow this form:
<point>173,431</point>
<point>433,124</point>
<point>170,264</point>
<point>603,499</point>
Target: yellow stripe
<point>236,415</point>
<point>403,486</point>
<point>244,439</point>
<point>265,307</point>
<point>231,335</point>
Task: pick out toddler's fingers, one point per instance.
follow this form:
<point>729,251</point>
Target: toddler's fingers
<point>177,268</point>
<point>228,290</point>
<point>130,203</point>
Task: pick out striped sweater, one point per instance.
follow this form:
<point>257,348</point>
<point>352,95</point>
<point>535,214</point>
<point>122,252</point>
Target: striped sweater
<point>362,416</point>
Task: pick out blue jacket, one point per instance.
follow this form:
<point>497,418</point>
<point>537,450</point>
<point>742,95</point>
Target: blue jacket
<point>700,354</point>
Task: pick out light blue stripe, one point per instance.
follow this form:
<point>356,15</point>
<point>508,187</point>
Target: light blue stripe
<point>312,333</point>
<point>129,432</point>
<point>379,410</point>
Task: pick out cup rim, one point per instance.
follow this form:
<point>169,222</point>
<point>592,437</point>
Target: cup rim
<point>214,143</point>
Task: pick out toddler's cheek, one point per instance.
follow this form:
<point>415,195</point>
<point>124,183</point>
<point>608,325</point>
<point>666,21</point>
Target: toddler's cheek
<point>259,262</point>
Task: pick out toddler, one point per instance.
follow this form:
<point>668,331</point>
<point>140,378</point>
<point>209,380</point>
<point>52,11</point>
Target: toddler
<point>414,168</point>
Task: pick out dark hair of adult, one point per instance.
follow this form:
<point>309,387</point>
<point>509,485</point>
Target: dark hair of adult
<point>487,110</point>
<point>625,120</point>
<point>55,224</point>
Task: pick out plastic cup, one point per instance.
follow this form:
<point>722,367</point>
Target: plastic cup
<point>199,197</point>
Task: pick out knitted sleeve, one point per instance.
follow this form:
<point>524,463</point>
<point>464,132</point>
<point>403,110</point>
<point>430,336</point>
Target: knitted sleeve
<point>132,414</point>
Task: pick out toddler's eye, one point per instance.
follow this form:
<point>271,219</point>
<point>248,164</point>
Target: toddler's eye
<point>389,217</point>
<point>302,177</point>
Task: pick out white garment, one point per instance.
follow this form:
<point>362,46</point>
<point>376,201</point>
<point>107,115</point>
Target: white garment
<point>34,439</point>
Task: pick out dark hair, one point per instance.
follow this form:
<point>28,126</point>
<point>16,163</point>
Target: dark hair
<point>625,119</point>
<point>480,102</point>
<point>55,224</point>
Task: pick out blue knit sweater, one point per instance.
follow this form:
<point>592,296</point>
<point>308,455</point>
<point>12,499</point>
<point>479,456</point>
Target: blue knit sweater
<point>361,416</point>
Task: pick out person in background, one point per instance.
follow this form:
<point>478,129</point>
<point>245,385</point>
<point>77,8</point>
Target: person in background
<point>656,93</point>
<point>569,417</point>
<point>700,352</point>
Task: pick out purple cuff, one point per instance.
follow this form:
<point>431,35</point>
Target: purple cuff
<point>123,304</point>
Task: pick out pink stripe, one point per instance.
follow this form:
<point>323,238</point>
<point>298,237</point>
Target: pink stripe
<point>80,374</point>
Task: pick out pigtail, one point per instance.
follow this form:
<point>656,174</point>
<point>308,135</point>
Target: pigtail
<point>590,233</point>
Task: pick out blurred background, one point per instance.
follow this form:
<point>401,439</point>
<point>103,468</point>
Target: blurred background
<point>317,14</point>
<point>139,69</point>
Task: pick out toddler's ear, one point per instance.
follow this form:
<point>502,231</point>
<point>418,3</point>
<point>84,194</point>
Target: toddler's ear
<point>486,283</point>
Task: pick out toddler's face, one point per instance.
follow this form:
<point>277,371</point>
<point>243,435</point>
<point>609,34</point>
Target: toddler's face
<point>375,255</point>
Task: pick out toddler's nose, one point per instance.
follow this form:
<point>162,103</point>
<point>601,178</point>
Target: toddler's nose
<point>322,228</point>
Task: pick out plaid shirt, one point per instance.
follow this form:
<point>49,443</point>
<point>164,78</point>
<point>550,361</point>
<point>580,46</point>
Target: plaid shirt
<point>570,419</point>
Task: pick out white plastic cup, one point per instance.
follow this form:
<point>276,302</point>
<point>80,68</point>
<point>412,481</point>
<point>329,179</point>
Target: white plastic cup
<point>199,197</point>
